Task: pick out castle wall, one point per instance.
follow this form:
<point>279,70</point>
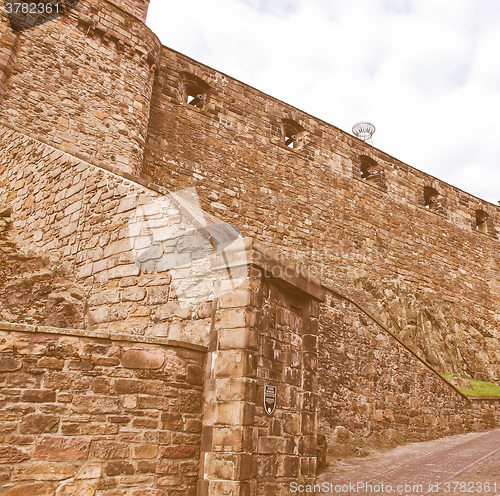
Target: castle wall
<point>108,412</point>
<point>379,391</point>
<point>83,82</point>
<point>97,131</point>
<point>428,273</point>
<point>86,414</point>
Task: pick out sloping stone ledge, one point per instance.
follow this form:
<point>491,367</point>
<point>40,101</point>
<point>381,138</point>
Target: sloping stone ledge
<point>7,326</point>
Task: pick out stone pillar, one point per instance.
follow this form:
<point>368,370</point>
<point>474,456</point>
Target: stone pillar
<point>264,332</point>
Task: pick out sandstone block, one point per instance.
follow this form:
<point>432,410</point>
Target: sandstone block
<point>9,364</point>
<point>39,396</point>
<point>237,338</point>
<point>239,297</point>
<point>179,452</point>
<point>217,467</point>
<point>50,471</point>
<point>145,451</point>
<point>9,454</point>
<point>108,314</point>
<point>171,421</point>
<point>116,247</point>
<point>133,294</point>
<point>127,204</point>
<point>143,359</point>
<point>39,423</point>
<point>90,471</point>
<point>123,271</point>
<point>119,468</point>
<point>76,489</point>
<point>195,375</point>
<point>62,449</point>
<point>133,386</point>
<point>36,489</point>
<point>232,363</point>
<point>51,363</point>
<point>109,450</point>
<point>230,318</point>
<point>105,297</point>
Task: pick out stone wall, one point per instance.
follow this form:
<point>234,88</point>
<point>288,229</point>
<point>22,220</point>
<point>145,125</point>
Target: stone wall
<point>84,220</point>
<point>83,413</point>
<point>84,81</point>
<point>429,273</point>
<point>379,391</point>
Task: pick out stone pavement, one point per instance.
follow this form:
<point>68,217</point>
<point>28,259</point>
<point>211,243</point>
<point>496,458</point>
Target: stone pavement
<point>465,464</point>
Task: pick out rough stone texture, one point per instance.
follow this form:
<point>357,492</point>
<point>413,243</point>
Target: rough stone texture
<point>35,290</point>
<point>430,275</point>
<point>375,392</point>
<point>90,425</point>
<point>87,79</point>
<point>94,130</point>
<point>80,269</point>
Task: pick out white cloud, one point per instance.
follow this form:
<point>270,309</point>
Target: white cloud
<point>426,72</point>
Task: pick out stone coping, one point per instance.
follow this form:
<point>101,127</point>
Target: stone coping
<point>427,365</point>
<point>84,333</point>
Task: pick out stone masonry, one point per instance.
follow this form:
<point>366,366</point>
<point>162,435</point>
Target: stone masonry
<point>172,241</point>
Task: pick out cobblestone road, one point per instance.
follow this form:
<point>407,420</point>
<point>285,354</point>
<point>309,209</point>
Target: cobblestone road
<point>468,464</point>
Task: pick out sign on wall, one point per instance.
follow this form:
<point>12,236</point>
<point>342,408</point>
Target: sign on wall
<point>269,399</point>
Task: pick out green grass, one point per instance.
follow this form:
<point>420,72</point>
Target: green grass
<point>480,388</point>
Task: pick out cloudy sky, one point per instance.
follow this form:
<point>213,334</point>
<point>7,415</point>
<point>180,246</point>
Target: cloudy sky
<point>425,72</point>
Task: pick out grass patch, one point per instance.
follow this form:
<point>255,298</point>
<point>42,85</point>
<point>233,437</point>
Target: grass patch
<point>480,388</point>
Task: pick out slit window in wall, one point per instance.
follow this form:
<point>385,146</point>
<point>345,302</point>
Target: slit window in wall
<point>293,133</point>
<point>368,168</point>
<point>193,90</point>
<point>482,221</point>
<point>432,200</point>
<point>371,171</point>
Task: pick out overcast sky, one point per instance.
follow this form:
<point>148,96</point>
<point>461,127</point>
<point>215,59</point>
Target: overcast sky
<point>425,72</point>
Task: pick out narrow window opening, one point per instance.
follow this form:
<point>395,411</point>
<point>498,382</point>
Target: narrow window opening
<point>293,133</point>
<point>371,171</point>
<point>482,221</point>
<point>194,91</point>
<point>369,168</point>
<point>432,200</point>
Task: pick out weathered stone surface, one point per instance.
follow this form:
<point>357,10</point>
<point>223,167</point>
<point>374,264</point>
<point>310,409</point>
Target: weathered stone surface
<point>96,404</point>
<point>62,449</point>
<point>119,468</point>
<point>80,148</point>
<point>143,359</point>
<point>10,454</point>
<point>36,489</point>
<point>39,424</point>
<point>76,489</point>
<point>9,364</point>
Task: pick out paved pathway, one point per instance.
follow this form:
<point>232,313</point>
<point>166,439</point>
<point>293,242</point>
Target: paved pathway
<point>464,465</point>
